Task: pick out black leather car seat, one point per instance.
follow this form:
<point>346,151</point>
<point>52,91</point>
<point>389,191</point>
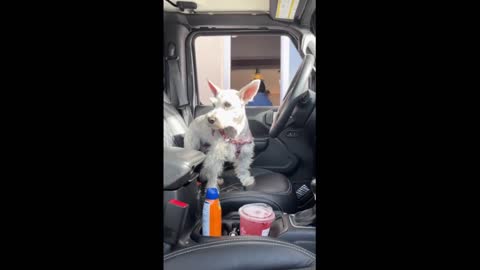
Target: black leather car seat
<point>252,253</point>
<point>272,188</point>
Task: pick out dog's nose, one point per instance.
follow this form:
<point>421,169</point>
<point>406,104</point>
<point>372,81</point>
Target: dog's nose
<point>211,120</point>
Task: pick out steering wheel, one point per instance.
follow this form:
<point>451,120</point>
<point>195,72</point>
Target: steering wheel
<point>298,87</point>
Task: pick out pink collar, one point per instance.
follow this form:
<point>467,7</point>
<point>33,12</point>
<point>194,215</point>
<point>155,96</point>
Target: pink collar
<point>237,142</point>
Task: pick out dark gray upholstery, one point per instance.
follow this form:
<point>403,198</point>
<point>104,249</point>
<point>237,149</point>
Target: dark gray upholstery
<point>272,188</point>
<point>252,253</point>
<point>177,163</point>
<point>174,126</point>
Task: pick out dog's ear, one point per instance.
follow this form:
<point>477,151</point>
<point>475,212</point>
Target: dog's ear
<point>249,91</point>
<point>214,88</point>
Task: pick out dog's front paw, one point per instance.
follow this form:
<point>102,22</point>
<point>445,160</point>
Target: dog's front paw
<point>248,181</point>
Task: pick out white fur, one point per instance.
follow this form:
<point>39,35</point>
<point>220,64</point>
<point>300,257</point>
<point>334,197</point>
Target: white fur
<point>200,132</point>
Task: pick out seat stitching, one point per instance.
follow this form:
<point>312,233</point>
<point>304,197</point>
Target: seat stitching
<point>285,192</point>
<point>275,193</point>
<point>251,238</point>
<point>246,238</point>
<point>227,187</point>
<point>268,172</point>
<point>289,188</point>
<point>192,249</point>
<point>230,244</point>
<point>216,244</point>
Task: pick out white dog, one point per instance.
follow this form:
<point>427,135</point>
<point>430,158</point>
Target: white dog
<point>226,133</point>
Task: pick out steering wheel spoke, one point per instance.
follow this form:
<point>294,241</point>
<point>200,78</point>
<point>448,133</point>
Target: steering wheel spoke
<point>294,95</point>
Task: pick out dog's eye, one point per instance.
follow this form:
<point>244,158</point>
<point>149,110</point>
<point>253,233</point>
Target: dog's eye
<point>213,104</point>
<point>227,105</point>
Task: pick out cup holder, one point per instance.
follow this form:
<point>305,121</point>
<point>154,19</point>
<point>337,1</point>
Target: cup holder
<point>281,229</point>
<point>230,228</point>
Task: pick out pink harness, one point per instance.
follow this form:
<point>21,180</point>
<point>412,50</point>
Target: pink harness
<point>237,142</point>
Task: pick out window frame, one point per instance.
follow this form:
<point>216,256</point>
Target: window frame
<point>192,82</point>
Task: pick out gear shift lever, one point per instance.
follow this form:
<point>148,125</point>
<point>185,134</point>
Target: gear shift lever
<point>308,216</point>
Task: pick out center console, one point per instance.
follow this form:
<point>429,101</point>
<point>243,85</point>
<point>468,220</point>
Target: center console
<point>283,228</point>
<point>298,228</point>
<point>183,204</point>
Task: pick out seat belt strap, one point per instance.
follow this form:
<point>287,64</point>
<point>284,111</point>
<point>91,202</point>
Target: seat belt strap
<point>176,88</point>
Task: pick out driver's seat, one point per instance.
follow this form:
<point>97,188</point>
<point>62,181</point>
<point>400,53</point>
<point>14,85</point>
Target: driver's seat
<point>272,188</point>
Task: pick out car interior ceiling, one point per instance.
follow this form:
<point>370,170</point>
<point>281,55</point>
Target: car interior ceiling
<point>284,163</point>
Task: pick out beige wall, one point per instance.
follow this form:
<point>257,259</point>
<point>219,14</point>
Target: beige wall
<point>209,52</point>
<point>271,77</point>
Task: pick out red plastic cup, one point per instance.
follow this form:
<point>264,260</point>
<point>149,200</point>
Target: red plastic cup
<point>256,219</point>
